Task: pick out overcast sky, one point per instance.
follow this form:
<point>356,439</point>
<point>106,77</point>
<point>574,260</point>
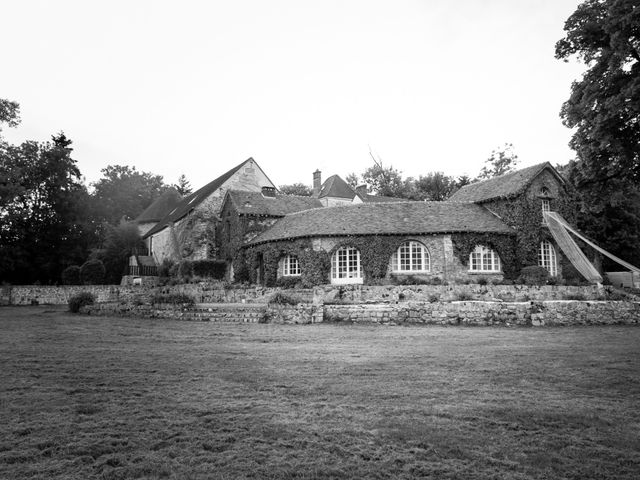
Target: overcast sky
<point>196,87</point>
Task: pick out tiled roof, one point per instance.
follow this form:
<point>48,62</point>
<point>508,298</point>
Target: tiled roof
<point>368,198</point>
<point>254,203</point>
<point>191,201</point>
<point>504,186</point>
<point>406,218</point>
<point>334,186</point>
<point>159,208</point>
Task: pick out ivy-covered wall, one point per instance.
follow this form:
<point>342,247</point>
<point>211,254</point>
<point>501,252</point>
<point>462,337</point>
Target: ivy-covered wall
<point>524,213</point>
<point>314,255</point>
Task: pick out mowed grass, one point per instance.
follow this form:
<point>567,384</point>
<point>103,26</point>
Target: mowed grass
<point>110,398</point>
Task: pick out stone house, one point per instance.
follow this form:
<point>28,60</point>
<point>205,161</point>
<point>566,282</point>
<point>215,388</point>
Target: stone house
<point>244,215</point>
<point>187,230</point>
<point>519,200</point>
<point>490,229</point>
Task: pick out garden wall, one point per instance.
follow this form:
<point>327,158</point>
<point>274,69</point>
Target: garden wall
<point>473,313</point>
<point>215,292</point>
<point>559,312</point>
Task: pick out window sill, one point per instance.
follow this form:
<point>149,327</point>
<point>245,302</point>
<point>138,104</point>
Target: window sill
<point>411,272</point>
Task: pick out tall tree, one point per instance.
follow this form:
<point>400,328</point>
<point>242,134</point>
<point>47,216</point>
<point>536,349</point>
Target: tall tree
<point>42,211</point>
<point>604,106</point>
<point>604,111</point>
<point>502,160</point>
<point>123,193</point>
<point>296,189</point>
<point>183,186</point>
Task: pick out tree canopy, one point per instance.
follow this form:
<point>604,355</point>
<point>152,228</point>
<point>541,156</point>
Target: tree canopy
<point>502,160</point>
<point>124,192</point>
<point>604,106</point>
<point>296,189</point>
<point>604,111</point>
<point>42,210</point>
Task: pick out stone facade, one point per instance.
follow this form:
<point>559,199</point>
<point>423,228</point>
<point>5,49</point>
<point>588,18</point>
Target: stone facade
<point>192,237</point>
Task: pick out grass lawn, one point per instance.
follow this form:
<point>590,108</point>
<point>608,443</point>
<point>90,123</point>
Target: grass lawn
<point>111,398</point>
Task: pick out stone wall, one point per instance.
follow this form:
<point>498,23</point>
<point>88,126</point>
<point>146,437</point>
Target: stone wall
<point>215,292</point>
<point>235,313</point>
<point>471,313</point>
<point>553,313</point>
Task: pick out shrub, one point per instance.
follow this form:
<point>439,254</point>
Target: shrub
<point>533,275</point>
<point>482,280</point>
<point>288,282</point>
<point>71,275</point>
<point>209,269</point>
<point>280,298</point>
<point>166,268</point>
<point>185,269</point>
<point>462,296</point>
<point>173,298</point>
<point>92,272</point>
<point>433,298</point>
<point>436,281</point>
<point>81,299</point>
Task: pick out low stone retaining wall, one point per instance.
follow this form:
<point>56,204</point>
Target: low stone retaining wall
<point>216,293</point>
<point>477,313</point>
<point>236,313</point>
<point>559,312</point>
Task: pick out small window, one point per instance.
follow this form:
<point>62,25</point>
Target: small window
<point>483,259</point>
<point>411,257</point>
<point>345,266</point>
<point>544,191</point>
<point>290,266</point>
<point>547,258</point>
<point>546,207</point>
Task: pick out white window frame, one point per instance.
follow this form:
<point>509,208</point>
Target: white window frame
<point>408,256</point>
<point>484,260</point>
<point>291,266</point>
<point>547,258</point>
<point>345,266</point>
<point>546,207</point>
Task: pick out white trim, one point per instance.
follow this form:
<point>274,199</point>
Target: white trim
<point>345,266</point>
<point>290,263</point>
<point>408,255</point>
<point>547,258</point>
<point>481,258</point>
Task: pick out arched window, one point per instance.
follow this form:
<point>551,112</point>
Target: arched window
<point>547,258</point>
<point>411,257</point>
<point>345,266</point>
<point>483,259</point>
<point>290,266</point>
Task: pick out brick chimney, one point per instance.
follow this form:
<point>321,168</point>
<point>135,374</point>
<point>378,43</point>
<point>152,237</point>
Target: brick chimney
<point>317,182</point>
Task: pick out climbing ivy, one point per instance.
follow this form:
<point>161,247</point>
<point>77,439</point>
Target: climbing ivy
<point>524,213</point>
<point>503,245</point>
<point>375,254</point>
<point>314,265</point>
